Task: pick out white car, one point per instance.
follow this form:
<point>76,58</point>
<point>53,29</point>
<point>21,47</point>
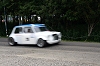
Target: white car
<point>33,34</point>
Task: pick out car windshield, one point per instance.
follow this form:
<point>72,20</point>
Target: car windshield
<point>40,29</point>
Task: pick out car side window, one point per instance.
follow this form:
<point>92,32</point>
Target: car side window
<point>18,30</point>
<point>28,30</point>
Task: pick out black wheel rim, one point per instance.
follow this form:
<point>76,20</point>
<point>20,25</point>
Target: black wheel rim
<point>40,43</point>
<point>11,41</point>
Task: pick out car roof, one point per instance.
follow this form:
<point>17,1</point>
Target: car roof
<point>29,25</point>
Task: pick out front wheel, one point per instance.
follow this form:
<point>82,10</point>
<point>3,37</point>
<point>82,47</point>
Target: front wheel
<point>41,43</point>
<point>11,42</point>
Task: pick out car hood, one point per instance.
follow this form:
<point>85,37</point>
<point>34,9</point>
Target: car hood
<point>45,33</point>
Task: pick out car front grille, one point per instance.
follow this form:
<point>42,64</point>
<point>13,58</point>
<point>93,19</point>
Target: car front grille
<point>55,36</point>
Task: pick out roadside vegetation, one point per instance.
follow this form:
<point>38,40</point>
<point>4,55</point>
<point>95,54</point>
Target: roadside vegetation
<point>77,20</point>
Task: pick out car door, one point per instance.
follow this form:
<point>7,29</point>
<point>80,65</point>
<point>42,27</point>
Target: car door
<point>18,35</point>
<point>28,36</point>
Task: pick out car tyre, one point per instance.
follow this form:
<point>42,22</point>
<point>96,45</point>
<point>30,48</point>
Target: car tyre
<point>11,42</point>
<point>41,43</point>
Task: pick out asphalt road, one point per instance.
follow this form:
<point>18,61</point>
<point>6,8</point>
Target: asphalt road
<point>64,54</point>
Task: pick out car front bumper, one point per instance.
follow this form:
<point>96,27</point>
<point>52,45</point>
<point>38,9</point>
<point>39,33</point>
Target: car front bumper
<point>53,41</point>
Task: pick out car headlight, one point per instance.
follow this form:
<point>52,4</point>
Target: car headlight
<point>50,37</point>
<point>60,35</point>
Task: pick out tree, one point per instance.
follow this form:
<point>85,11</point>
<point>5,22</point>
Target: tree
<point>90,11</point>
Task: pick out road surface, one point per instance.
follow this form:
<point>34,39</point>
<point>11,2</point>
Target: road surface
<point>65,54</point>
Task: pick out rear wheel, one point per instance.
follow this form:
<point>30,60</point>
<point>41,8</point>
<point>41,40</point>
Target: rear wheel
<point>41,43</point>
<point>11,42</point>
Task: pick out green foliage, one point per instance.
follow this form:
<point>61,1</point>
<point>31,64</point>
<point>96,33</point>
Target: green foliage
<point>62,15</point>
<point>89,10</point>
<point>2,29</point>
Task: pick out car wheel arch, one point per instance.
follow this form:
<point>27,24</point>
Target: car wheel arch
<point>14,39</point>
<point>11,41</point>
<point>44,42</point>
